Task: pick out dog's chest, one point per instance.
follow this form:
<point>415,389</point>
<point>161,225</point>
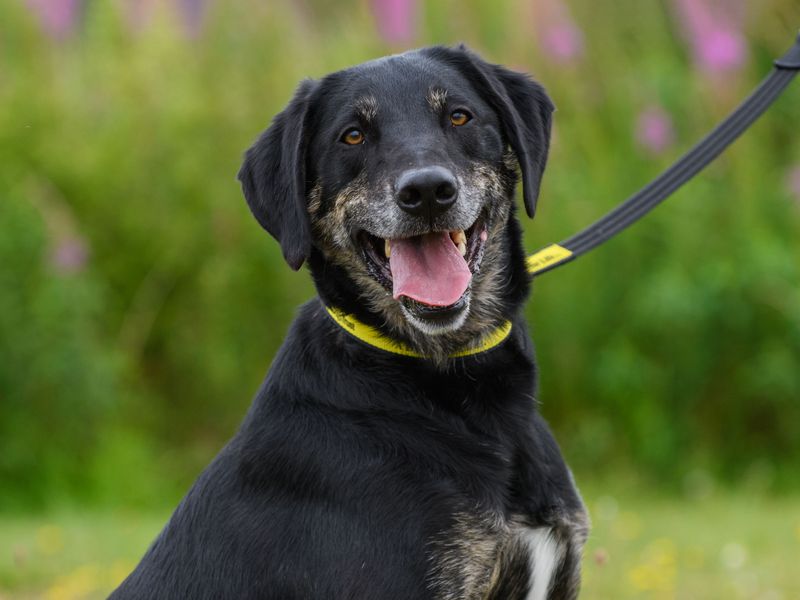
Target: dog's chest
<point>545,553</point>
<point>491,559</point>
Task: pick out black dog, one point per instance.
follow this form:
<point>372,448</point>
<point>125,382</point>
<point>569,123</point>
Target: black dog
<point>394,450</point>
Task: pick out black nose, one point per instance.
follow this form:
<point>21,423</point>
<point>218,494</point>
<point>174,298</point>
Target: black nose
<point>429,191</point>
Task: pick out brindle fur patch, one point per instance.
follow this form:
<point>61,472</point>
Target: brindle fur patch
<point>437,99</point>
<point>315,199</point>
<point>367,108</point>
<point>465,561</point>
<point>484,557</point>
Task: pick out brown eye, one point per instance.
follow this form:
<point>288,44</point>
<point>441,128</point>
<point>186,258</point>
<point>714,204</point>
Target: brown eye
<point>353,137</point>
<point>459,118</point>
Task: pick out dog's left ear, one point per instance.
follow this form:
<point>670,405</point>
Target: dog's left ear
<point>273,178</point>
<point>524,109</point>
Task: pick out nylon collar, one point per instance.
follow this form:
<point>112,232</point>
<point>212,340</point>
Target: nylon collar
<point>373,337</point>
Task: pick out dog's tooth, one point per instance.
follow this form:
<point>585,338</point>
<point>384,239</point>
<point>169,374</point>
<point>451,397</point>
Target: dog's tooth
<point>387,248</point>
<point>462,248</point>
<point>458,237</point>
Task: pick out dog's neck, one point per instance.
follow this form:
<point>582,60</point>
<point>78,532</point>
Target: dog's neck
<point>373,337</point>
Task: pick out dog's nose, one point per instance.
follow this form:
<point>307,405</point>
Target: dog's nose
<point>430,191</point>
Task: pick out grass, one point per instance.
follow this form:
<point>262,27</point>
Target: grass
<point>731,545</point>
<point>724,546</point>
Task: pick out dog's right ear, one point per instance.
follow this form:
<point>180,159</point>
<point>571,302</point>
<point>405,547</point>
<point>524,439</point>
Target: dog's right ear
<point>273,178</point>
<point>523,107</point>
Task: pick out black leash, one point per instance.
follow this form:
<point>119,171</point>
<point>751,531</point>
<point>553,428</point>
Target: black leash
<point>686,167</point>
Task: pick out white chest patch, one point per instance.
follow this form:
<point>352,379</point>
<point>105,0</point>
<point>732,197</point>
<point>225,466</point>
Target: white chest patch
<point>545,555</point>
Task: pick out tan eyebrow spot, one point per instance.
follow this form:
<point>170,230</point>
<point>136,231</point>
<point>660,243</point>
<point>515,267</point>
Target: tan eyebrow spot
<point>437,98</point>
<point>366,107</point>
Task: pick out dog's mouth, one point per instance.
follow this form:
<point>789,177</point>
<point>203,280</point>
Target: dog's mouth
<point>429,274</point>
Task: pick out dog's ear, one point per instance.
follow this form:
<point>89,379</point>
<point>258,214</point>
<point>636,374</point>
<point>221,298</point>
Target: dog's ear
<point>525,113</point>
<point>273,178</point>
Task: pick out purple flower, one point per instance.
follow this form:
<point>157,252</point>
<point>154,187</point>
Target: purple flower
<point>57,17</point>
<point>654,131</point>
<point>793,182</point>
<point>559,37</point>
<point>193,12</point>
<point>140,13</point>
<point>70,255</point>
<point>713,30</point>
<point>396,20</point>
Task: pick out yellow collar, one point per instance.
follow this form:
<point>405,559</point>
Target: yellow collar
<point>373,337</point>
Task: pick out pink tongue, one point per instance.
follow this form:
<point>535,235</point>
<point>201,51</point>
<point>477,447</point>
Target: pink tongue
<point>429,269</point>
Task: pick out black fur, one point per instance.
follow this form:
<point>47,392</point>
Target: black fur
<point>356,470</point>
<point>524,110</point>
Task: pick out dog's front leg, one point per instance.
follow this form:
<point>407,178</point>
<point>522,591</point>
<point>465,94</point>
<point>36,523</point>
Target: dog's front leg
<point>553,521</point>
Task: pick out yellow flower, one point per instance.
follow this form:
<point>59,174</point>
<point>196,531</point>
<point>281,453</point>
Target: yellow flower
<point>657,572</point>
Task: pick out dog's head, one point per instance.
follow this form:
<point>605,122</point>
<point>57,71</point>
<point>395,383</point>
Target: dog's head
<point>395,180</point>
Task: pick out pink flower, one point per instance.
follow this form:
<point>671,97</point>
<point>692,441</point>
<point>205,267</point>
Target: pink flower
<point>654,131</point>
<point>396,20</point>
<point>559,36</point>
<point>563,42</point>
<point>793,182</point>
<point>57,17</point>
<point>713,29</point>
<point>70,255</point>
<point>139,13</point>
<point>721,50</point>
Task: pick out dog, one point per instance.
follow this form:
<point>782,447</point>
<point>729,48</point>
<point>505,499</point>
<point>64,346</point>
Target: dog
<point>394,450</point>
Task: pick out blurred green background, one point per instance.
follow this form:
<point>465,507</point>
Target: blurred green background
<point>141,304</point>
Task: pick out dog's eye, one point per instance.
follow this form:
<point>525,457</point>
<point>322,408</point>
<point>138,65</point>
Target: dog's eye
<point>459,118</point>
<point>353,137</point>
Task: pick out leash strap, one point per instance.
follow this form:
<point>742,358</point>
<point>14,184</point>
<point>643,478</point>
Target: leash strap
<point>686,167</point>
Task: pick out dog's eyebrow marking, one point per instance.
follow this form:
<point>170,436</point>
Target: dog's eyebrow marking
<point>366,107</point>
<point>437,98</point>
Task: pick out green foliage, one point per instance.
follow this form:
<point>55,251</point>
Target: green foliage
<point>124,371</point>
<point>57,374</point>
<point>739,545</point>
